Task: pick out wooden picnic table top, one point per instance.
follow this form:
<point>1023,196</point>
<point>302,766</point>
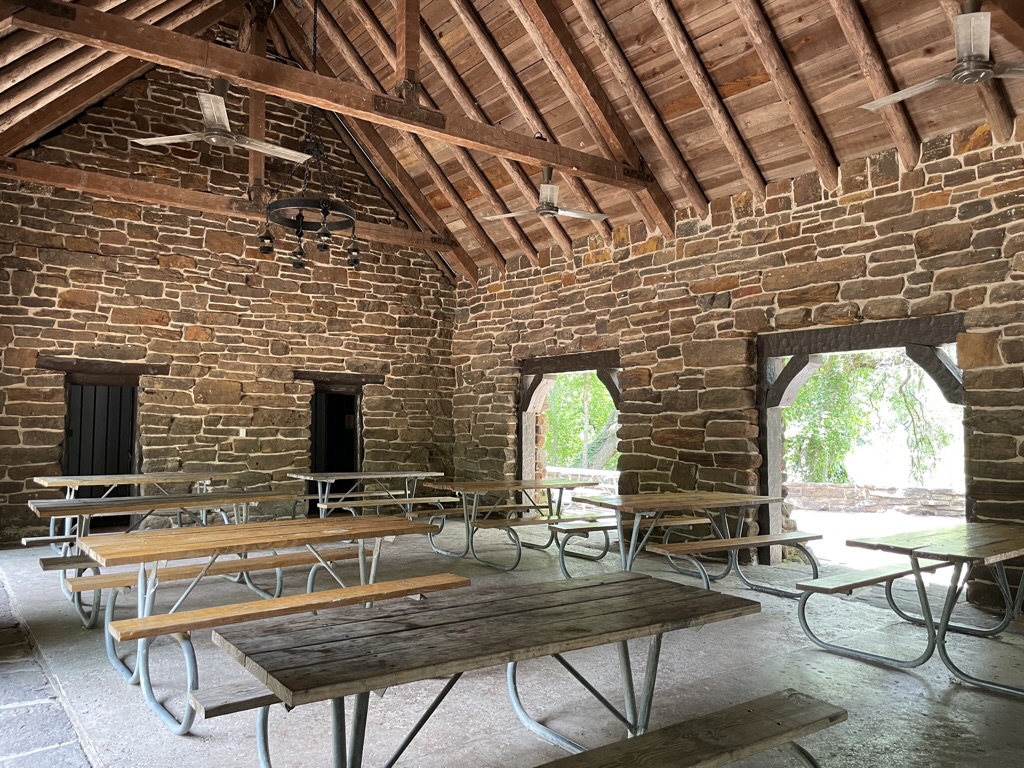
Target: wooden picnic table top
<point>485,486</point>
<point>78,481</point>
<point>323,477</point>
<point>675,501</point>
<point>984,543</point>
<point>180,543</point>
<point>126,505</point>
<point>342,652</point>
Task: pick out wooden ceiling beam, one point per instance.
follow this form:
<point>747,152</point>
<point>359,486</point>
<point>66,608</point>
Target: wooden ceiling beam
<point>507,77</point>
<point>252,38</point>
<point>997,109</point>
<point>1008,21</point>
<point>200,57</point>
<point>127,188</point>
<point>804,120</point>
<point>623,71</point>
<point>20,43</point>
<point>708,94</point>
<point>869,58</point>
<point>369,81</point>
<point>584,91</point>
<point>464,159</point>
<point>473,171</point>
<point>381,154</point>
<point>112,72</point>
<point>446,70</point>
<point>406,59</point>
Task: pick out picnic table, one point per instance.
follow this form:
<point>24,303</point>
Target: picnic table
<point>964,547</point>
<point>150,550</point>
<point>464,630</point>
<point>361,482</point>
<point>504,511</point>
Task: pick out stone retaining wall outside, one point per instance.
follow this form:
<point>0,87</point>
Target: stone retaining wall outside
<point>823,497</point>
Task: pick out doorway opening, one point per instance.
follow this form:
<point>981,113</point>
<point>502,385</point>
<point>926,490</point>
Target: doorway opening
<point>334,436</point>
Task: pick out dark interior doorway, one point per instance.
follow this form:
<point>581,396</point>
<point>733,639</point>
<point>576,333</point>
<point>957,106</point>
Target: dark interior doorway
<point>100,437</point>
<point>334,436</point>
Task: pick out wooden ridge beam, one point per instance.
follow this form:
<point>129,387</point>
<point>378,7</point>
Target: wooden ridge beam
<point>585,92</point>
<point>112,72</point>
<point>475,173</point>
<point>200,57</point>
<point>708,94</point>
<point>804,120</point>
<point>865,49</point>
<point>382,156</point>
<point>127,188</point>
<point>507,77</point>
<point>348,52</point>
<point>642,104</point>
<point>993,100</point>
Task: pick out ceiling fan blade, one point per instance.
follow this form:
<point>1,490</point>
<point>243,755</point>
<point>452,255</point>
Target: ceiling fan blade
<point>178,139</point>
<point>593,216</point>
<point>1008,70</point>
<point>215,114</point>
<point>512,215</point>
<point>270,149</point>
<point>549,194</point>
<point>906,93</point>
<point>973,35</point>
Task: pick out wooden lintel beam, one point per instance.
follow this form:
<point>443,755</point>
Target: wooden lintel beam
<point>380,153</point>
<point>113,73</point>
<point>705,89</point>
<point>645,109</point>
<point>804,120</point>
<point>127,188</point>
<point>993,100</point>
<point>143,41</point>
<point>407,42</point>
<point>865,49</point>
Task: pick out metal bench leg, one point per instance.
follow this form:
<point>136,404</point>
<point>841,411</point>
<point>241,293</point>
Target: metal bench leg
<point>734,557</point>
<point>131,676</point>
<point>263,736</point>
<point>176,726</point>
<point>802,754</point>
<point>563,552</point>
<point>88,613</point>
<point>513,536</point>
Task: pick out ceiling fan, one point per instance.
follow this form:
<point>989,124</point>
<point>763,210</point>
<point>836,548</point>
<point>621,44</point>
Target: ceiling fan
<point>217,129</point>
<point>973,33</point>
<point>549,205</point>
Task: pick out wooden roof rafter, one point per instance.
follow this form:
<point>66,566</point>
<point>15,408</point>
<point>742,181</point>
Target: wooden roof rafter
<point>584,91</point>
<point>252,38</point>
<point>506,76</point>
<point>344,47</point>
<point>762,35</point>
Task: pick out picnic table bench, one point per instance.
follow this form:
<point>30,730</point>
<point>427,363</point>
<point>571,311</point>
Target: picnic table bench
<point>406,503</point>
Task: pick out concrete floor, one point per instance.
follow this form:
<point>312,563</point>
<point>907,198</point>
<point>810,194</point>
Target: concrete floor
<point>62,706</point>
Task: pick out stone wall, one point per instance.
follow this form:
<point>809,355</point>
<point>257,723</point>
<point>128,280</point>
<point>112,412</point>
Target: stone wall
<point>684,312</point>
<point>826,497</point>
<point>92,278</point>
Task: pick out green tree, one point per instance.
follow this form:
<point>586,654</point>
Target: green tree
<point>847,399</point>
<point>581,423</point>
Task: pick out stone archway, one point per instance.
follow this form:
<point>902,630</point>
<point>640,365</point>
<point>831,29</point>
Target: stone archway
<point>778,383</point>
<point>537,377</point>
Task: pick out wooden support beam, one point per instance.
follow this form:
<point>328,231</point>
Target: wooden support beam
<point>804,120</point>
<point>507,77</point>
<point>127,188</point>
<point>355,62</point>
<point>381,155</point>
<point>252,38</point>
<point>706,91</point>
<point>585,92</point>
<point>997,109</point>
<point>112,72</point>
<point>407,43</point>
<point>200,57</point>
<point>941,368</point>
<point>865,49</point>
<point>1008,21</point>
<point>641,103</point>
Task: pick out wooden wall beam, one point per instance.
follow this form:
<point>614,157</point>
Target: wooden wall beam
<point>706,91</point>
<point>641,102</point>
<point>804,120</point>
<point>581,87</point>
<point>354,61</point>
<point>200,57</point>
<point>510,82</point>
<point>865,49</point>
<point>113,72</point>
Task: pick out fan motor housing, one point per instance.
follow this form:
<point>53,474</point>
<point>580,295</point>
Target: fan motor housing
<point>971,71</point>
